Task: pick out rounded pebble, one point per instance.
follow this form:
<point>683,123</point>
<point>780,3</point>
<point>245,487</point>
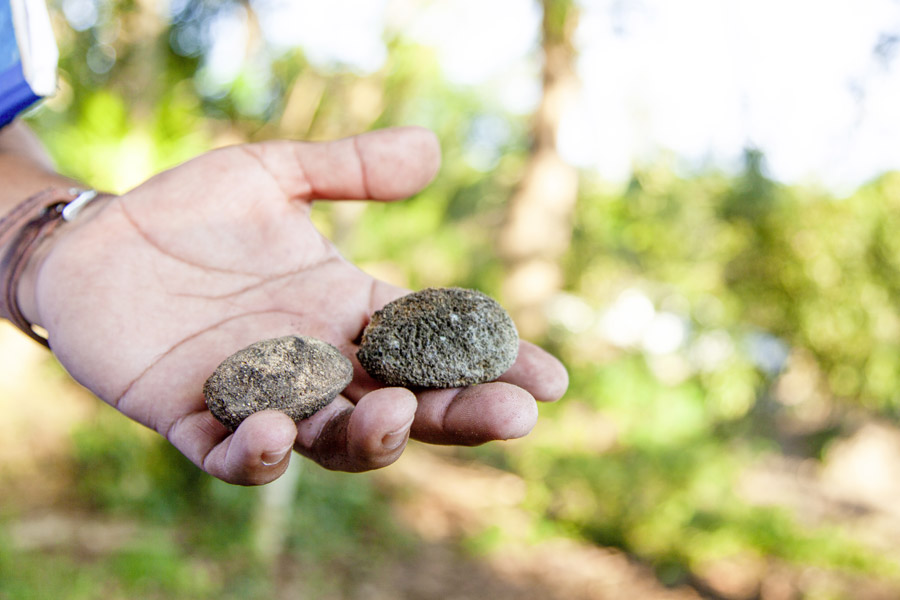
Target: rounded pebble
<point>439,338</point>
<point>296,375</point>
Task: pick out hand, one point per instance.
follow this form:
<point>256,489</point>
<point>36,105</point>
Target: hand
<point>144,297</point>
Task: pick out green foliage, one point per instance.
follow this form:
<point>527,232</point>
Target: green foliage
<point>155,567</point>
<point>122,467</point>
<point>340,517</point>
<point>735,259</point>
<point>195,535</point>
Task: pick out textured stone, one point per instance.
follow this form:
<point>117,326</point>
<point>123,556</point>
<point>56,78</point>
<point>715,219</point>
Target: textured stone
<point>296,375</point>
<point>439,338</point>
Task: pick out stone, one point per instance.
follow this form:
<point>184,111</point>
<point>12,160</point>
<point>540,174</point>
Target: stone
<point>439,338</point>
<point>296,375</point>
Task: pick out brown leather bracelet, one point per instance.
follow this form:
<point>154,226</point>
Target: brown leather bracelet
<point>21,233</point>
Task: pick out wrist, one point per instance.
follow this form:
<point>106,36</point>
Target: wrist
<point>25,240</point>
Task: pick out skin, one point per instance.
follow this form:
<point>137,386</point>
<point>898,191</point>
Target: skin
<point>146,293</point>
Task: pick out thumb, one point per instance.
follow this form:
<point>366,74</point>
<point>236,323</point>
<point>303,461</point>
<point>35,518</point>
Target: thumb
<point>256,453</point>
<point>387,164</point>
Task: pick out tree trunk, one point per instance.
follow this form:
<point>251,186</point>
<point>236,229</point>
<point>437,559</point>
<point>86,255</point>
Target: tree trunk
<point>538,224</point>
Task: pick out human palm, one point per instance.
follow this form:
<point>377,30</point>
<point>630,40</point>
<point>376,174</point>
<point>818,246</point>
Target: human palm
<point>149,293</point>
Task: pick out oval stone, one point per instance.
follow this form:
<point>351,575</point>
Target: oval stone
<point>439,338</point>
<point>296,375</point>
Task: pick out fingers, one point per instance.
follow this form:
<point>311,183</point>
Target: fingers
<point>373,434</point>
<point>344,437</point>
<point>387,164</point>
<point>474,415</point>
<point>369,436</point>
<point>539,372</point>
<point>257,452</point>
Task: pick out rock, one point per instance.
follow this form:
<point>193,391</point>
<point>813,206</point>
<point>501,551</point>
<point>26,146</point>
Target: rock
<point>296,375</point>
<point>439,338</point>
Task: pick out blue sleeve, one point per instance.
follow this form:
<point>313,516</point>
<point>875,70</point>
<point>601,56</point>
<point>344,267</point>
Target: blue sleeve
<point>9,51</point>
<point>15,93</point>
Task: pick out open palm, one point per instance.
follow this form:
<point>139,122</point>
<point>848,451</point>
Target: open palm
<point>148,294</point>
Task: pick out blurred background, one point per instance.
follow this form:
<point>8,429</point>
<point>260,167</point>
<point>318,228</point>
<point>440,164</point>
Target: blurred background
<point>695,204</point>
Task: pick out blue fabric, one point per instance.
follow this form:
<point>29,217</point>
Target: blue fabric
<point>15,93</point>
<point>9,51</point>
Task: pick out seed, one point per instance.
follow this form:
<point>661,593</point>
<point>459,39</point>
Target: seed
<point>439,338</point>
<point>296,375</point>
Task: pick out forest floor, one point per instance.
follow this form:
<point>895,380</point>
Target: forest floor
<point>445,503</point>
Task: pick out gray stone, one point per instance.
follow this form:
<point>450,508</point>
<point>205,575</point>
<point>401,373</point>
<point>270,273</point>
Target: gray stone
<point>296,375</point>
<point>439,338</point>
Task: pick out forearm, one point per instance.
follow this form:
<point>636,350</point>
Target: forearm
<point>25,168</point>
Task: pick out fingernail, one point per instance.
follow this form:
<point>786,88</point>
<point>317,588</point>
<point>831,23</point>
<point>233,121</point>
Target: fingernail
<point>273,458</point>
<point>394,440</point>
